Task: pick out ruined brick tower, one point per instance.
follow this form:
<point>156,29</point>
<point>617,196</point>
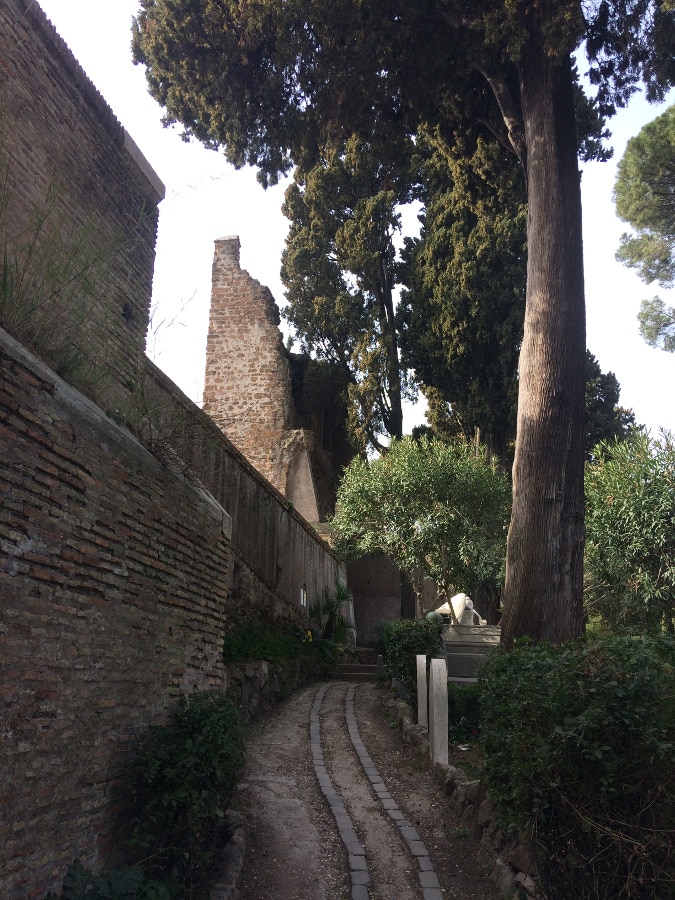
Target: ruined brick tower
<point>252,385</point>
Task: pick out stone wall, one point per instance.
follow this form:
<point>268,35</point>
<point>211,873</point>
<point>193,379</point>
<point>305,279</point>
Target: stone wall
<point>247,389</point>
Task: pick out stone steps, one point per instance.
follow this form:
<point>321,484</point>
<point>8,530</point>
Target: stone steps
<point>360,672</point>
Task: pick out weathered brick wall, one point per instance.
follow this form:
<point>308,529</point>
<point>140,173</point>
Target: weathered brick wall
<point>114,581</point>
<point>118,578</point>
<point>118,573</point>
<point>247,387</point>
<point>79,212</point>
<point>274,547</point>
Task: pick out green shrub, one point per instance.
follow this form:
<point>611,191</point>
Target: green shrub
<point>127,883</point>
<point>463,713</point>
<point>327,615</point>
<point>257,640</point>
<point>403,640</point>
<point>579,743</point>
<point>182,778</point>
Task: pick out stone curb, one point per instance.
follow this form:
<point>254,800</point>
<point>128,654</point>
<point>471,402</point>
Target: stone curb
<point>513,868</point>
<point>359,874</point>
<point>431,888</point>
<point>228,883</point>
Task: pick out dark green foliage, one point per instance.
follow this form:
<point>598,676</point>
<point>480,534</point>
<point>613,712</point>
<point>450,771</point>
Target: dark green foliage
<point>579,743</point>
<point>339,269</point>
<point>630,524</point>
<point>127,883</point>
<point>328,615</point>
<point>182,778</point>
<point>463,712</point>
<point>403,640</point>
<point>464,308</point>
<point>257,640</point>
<point>605,419</point>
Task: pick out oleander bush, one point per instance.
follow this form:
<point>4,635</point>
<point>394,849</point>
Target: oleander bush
<point>579,743</point>
<point>630,533</point>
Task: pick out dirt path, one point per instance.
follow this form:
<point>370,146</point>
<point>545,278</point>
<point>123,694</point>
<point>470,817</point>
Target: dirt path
<point>294,847</point>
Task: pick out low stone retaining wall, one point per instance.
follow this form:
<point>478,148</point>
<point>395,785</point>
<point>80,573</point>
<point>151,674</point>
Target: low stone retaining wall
<point>257,685</point>
<point>513,867</point>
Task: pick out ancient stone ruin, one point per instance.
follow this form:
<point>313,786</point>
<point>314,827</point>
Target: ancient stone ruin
<point>272,404</point>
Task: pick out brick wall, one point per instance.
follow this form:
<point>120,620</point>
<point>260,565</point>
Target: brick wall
<point>262,397</point>
<point>123,556</point>
<point>119,574</point>
<point>79,213</point>
<point>247,387</point>
<point>114,583</point>
<point>273,544</point>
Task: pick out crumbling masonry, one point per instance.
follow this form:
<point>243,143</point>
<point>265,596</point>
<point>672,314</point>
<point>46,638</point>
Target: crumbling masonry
<point>257,392</point>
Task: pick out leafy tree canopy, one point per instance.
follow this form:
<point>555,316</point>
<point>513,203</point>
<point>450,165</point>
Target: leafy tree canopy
<point>275,83</point>
<point>438,510</point>
<point>657,324</point>
<point>644,194</point>
<point>340,271</point>
<point>630,521</point>
<point>268,82</point>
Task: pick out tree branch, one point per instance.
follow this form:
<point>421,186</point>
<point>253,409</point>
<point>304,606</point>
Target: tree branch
<point>509,111</point>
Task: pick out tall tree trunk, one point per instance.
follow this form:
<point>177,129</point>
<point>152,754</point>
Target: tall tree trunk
<point>544,568</point>
<point>393,418</point>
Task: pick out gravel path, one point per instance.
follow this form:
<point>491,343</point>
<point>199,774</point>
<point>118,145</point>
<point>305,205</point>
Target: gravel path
<point>338,808</point>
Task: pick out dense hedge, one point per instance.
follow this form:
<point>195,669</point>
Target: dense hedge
<point>403,640</point>
<point>579,745</point>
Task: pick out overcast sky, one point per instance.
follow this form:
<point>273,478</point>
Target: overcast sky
<point>207,199</point>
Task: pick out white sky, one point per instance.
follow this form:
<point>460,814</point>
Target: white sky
<point>206,199</point>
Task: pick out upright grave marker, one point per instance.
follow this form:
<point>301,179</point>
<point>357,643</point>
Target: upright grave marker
<point>438,712</point>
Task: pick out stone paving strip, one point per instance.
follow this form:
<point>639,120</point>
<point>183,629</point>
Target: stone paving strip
<point>431,888</point>
<point>356,854</point>
<point>358,865</point>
